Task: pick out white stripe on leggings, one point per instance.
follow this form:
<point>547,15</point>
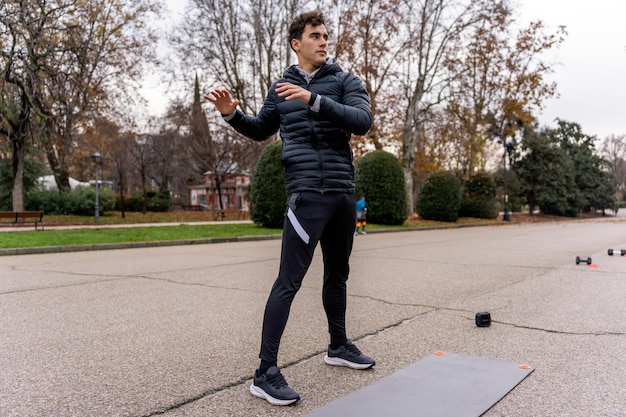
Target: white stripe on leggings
<point>297,226</point>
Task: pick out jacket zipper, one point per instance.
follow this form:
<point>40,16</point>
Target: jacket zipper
<point>315,141</point>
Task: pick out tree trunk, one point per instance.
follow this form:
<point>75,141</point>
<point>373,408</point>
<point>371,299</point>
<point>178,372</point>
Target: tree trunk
<point>122,201</point>
<point>144,208</point>
<point>17,196</point>
<point>410,198</point>
<point>55,158</point>
<point>409,142</point>
<point>218,187</point>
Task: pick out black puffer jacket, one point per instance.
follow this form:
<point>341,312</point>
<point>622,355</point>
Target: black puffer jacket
<point>316,150</point>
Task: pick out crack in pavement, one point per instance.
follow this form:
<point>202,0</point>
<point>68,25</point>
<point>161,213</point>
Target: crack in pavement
<point>190,268</point>
<point>449,309</point>
<point>518,326</point>
<point>54,287</point>
<point>195,398</point>
<point>122,278</point>
<point>428,261</point>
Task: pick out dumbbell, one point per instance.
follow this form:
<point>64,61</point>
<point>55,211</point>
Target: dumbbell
<point>622,252</point>
<point>579,260</point>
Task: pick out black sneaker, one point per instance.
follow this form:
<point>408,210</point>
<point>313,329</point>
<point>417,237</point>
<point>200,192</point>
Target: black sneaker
<point>350,356</point>
<point>272,387</point>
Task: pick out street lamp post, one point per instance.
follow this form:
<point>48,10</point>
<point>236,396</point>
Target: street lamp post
<point>97,160</point>
<point>504,130</point>
<point>506,216</point>
<point>509,144</point>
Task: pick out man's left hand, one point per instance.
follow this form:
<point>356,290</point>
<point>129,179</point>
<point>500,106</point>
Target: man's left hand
<point>291,91</point>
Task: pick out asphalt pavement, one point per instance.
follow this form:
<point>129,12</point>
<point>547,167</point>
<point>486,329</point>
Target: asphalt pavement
<point>175,331</point>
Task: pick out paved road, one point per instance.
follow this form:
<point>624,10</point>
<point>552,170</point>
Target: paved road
<point>174,331</point>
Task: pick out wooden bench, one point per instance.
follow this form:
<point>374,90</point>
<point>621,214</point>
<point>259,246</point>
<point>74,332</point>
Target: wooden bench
<point>231,214</point>
<point>21,217</point>
<point>192,207</point>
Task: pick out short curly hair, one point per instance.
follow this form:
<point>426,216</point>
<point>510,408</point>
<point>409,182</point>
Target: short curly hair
<point>296,28</point>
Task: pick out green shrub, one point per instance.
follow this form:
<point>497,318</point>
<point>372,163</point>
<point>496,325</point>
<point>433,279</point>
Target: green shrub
<point>50,202</point>
<point>440,197</point>
<point>380,177</point>
<point>80,201</point>
<point>131,202</point>
<point>156,201</point>
<point>479,197</point>
<point>268,198</point>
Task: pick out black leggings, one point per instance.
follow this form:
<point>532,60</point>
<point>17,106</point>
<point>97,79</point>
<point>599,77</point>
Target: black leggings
<point>310,218</point>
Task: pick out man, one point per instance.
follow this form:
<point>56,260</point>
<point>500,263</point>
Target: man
<point>316,106</point>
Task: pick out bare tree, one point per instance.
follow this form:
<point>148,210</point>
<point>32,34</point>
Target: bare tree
<point>121,166</point>
<point>61,61</point>
<point>368,43</point>
<point>192,145</point>
<point>499,83</point>
<point>143,158</point>
<point>174,170</point>
<point>433,27</point>
<point>107,137</point>
<point>239,45</point>
<point>105,43</point>
<point>28,30</point>
<point>243,47</point>
<point>165,146</point>
<point>235,154</point>
<point>271,51</point>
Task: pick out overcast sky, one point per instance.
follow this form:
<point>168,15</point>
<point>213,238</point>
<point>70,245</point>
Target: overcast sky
<point>591,74</point>
<point>590,66</point>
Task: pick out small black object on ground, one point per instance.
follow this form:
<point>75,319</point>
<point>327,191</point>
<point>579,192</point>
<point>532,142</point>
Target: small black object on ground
<point>483,319</point>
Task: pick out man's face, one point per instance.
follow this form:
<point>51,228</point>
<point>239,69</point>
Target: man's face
<point>312,50</point>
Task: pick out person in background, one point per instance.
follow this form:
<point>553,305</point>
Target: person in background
<point>317,107</point>
<point>361,211</point>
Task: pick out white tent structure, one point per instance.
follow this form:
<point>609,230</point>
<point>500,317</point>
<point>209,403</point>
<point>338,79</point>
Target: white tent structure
<point>47,183</point>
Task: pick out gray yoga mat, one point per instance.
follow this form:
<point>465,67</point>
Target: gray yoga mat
<point>440,385</point>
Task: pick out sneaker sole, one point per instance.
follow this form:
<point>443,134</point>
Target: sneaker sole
<point>342,362</point>
<point>260,393</point>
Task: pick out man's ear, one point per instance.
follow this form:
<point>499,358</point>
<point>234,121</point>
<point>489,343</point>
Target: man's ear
<point>295,45</point>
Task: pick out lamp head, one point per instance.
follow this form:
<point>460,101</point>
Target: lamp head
<point>96,158</point>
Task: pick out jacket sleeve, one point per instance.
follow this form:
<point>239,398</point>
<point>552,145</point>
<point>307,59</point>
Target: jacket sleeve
<point>353,114</point>
<point>264,125</point>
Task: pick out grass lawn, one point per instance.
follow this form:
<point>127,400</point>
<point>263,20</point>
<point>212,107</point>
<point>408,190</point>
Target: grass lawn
<point>136,231</point>
<point>90,236</point>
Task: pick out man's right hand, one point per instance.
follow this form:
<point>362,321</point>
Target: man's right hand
<point>222,100</point>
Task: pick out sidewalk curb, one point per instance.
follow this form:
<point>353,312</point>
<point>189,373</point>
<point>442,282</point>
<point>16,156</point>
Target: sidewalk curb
<point>202,241</point>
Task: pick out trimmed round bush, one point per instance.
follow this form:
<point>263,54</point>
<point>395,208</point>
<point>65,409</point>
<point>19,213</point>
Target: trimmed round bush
<point>80,201</point>
<point>268,198</point>
<point>440,197</point>
<point>479,197</point>
<point>380,177</point>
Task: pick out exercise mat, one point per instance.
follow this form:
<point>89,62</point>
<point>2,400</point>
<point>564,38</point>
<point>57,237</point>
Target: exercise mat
<point>443,384</point>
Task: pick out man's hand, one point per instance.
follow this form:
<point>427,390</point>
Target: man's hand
<point>291,91</point>
<point>222,100</point>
